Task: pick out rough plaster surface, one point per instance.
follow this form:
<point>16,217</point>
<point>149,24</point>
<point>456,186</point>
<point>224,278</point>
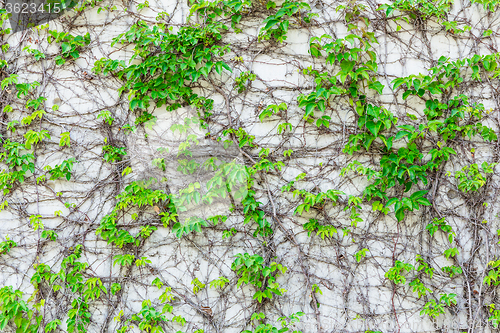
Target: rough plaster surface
<point>355,296</point>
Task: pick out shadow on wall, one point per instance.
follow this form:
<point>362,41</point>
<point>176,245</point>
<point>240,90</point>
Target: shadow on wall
<point>206,177</point>
<point>25,14</point>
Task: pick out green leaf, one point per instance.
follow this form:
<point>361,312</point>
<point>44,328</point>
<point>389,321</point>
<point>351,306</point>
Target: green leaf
<point>418,194</point>
<point>178,230</point>
<point>391,202</point>
<point>400,215</point>
<point>309,110</point>
<point>270,4</point>
<point>271,23</point>
<point>373,127</point>
<point>368,141</point>
<point>347,66</point>
<point>379,87</point>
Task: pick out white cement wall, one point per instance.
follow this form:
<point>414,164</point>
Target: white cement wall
<point>355,296</point>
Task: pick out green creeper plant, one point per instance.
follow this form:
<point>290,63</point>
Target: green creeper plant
<point>470,178</point>
<point>276,25</point>
<point>70,45</point>
<point>14,309</point>
<point>252,270</point>
<point>395,273</point>
<point>433,309</point>
<point>285,322</point>
<point>7,245</point>
<point>321,230</point>
<point>495,315</point>
<point>164,78</point>
<point>61,170</point>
